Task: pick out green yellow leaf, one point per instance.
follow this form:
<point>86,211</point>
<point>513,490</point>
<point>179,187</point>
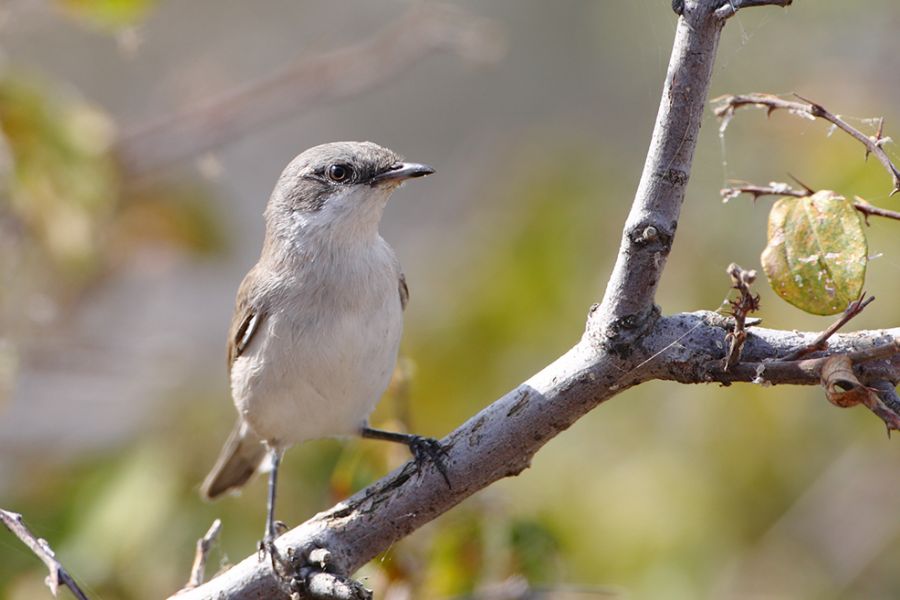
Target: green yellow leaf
<point>816,253</point>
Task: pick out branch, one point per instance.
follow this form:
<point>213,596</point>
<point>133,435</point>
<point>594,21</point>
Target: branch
<point>426,29</point>
<point>198,570</point>
<point>689,348</point>
<point>729,8</point>
<point>869,210</point>
<point>887,405</point>
<point>627,307</point>
<point>809,109</point>
<point>58,575</point>
<point>782,189</point>
<point>821,341</point>
<point>775,188</point>
<point>501,440</point>
<point>741,307</point>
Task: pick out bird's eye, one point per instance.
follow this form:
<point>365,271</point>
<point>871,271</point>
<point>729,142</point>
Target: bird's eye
<point>340,173</point>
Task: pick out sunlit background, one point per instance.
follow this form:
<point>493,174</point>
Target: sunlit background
<point>139,141</point>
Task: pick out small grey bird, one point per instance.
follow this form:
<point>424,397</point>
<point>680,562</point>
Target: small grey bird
<point>317,321</point>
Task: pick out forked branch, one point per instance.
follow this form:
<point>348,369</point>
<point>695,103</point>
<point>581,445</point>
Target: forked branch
<point>727,105</point>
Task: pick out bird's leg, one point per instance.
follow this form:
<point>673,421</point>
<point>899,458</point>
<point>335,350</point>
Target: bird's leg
<point>267,545</point>
<point>423,448</point>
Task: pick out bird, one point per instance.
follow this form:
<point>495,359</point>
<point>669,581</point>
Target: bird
<point>317,321</point>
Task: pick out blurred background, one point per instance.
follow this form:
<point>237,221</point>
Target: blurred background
<point>139,140</point>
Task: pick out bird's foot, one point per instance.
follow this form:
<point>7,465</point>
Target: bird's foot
<point>425,450</point>
<point>266,547</point>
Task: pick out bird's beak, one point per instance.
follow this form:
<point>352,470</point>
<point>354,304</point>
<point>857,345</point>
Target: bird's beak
<point>401,171</point>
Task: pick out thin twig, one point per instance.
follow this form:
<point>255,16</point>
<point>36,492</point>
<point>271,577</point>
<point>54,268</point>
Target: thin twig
<point>821,342</point>
<point>869,210</point>
<point>427,28</point>
<point>198,570</point>
<point>58,575</point>
<point>730,7</point>
<point>776,188</point>
<point>743,305</point>
<point>809,109</point>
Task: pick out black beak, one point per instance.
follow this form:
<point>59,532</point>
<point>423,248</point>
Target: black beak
<point>401,171</point>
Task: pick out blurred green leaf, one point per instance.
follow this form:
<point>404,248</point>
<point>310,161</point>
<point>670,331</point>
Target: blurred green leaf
<point>457,556</point>
<point>816,254</point>
<point>535,550</point>
<point>108,14</point>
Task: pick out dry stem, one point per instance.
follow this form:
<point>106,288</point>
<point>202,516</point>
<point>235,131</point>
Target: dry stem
<point>58,575</point>
<point>807,108</point>
<point>776,188</point>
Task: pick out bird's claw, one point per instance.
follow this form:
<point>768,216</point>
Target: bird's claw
<point>425,450</point>
<point>266,547</point>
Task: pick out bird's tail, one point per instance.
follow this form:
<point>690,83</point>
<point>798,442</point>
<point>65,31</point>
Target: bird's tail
<point>239,460</point>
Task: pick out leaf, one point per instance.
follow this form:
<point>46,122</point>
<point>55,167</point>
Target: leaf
<point>842,388</point>
<point>816,253</point>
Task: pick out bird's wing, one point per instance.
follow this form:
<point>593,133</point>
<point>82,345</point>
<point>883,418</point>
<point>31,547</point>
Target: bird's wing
<point>404,292</point>
<point>247,318</point>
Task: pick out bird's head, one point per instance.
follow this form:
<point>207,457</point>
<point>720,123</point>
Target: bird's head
<point>340,188</point>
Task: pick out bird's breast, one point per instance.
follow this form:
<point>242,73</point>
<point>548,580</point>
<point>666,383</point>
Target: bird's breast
<point>325,354</point>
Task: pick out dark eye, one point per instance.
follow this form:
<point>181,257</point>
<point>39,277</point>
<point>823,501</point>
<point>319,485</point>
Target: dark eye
<point>340,173</point>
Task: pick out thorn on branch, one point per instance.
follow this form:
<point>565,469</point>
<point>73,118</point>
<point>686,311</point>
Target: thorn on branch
<point>808,190</point>
<point>743,305</point>
<point>727,105</point>
<point>870,210</point>
<point>886,404</point>
<point>776,188</point>
<point>58,575</point>
<point>821,340</point>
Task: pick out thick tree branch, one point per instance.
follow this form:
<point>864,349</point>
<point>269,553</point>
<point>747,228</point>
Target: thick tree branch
<point>627,307</point>
<point>501,439</point>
